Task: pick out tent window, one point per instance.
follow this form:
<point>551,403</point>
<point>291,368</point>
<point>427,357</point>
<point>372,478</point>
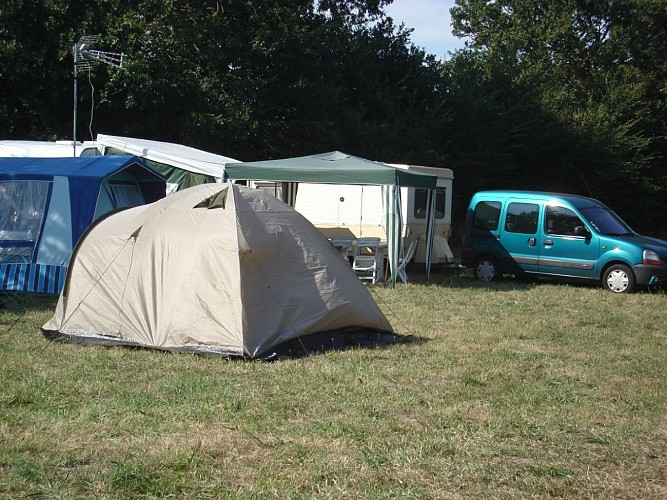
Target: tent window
<point>218,200</point>
<point>126,195</point>
<point>24,204</point>
<point>421,198</point>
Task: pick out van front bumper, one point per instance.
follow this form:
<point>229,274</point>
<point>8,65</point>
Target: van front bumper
<point>650,274</point>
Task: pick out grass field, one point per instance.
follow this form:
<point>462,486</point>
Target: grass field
<point>510,390</point>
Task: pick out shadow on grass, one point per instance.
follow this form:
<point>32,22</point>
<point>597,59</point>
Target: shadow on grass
<point>462,278</point>
<point>18,302</point>
<point>340,340</point>
<point>301,347</point>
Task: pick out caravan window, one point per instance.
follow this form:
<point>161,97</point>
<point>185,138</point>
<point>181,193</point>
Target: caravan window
<point>126,195</point>
<point>421,198</point>
<point>24,204</point>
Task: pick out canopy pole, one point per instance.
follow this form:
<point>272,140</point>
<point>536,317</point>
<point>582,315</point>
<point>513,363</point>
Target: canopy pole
<point>430,231</point>
<point>393,226</point>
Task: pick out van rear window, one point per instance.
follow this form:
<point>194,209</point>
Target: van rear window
<point>486,215</point>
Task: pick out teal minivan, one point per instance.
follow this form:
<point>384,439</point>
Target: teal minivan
<point>562,235</point>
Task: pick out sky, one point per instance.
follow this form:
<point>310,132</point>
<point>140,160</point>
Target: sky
<point>431,22</point>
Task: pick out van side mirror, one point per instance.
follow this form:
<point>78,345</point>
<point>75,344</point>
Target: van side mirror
<point>582,231</point>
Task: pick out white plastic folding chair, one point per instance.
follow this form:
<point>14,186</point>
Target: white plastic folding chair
<point>366,259</point>
<point>403,261</point>
<point>343,245</point>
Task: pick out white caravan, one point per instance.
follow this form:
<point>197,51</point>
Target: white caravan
<point>353,211</point>
<point>47,149</point>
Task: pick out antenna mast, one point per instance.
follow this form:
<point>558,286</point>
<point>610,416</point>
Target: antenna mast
<point>85,58</point>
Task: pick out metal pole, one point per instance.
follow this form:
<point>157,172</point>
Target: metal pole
<point>75,99</point>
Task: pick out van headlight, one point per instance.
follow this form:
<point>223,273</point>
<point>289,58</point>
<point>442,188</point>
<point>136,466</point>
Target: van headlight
<point>651,257</point>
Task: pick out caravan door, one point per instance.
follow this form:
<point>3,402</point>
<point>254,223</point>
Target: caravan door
<point>342,210</point>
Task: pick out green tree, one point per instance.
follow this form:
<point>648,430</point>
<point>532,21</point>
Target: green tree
<point>35,67</point>
<point>594,72</point>
<point>248,79</point>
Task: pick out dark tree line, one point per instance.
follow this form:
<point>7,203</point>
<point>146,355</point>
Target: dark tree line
<point>567,96</point>
<point>578,88</point>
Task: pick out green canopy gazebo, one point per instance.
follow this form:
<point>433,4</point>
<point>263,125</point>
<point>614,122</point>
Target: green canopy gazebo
<point>341,168</point>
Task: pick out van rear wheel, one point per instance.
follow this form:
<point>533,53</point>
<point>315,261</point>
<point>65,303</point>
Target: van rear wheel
<point>619,279</point>
<point>487,269</point>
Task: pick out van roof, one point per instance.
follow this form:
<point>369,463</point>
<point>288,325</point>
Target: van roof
<point>576,200</point>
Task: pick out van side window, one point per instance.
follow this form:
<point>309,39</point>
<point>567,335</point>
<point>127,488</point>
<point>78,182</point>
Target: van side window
<point>421,198</point>
<point>486,216</point>
<point>562,221</point>
<point>522,218</point>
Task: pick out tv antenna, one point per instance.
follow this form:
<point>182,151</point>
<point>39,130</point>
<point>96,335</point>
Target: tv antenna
<point>85,58</point>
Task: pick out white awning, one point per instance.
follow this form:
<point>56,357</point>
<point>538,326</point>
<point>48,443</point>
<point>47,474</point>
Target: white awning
<point>176,155</point>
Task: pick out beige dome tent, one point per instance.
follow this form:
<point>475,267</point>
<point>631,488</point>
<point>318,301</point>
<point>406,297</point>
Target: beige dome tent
<point>216,268</point>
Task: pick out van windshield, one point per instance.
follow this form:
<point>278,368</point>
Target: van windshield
<point>607,222</point>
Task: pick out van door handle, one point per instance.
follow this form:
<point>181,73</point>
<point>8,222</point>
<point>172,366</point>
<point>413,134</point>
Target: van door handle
<point>548,242</point>
<point>531,242</point>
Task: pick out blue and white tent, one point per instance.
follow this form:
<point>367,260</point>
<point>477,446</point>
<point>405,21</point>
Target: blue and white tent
<point>46,204</point>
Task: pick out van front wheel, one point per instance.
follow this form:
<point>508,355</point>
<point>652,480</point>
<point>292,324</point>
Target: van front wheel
<point>619,279</point>
<point>487,269</point>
